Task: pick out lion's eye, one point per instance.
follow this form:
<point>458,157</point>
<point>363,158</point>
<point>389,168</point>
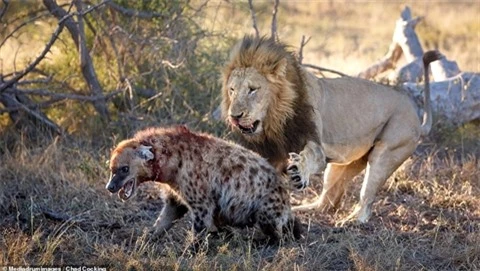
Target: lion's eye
<point>124,170</point>
<point>232,90</point>
<point>251,90</point>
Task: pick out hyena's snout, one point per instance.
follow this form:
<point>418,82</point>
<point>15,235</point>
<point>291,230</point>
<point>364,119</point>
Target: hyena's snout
<point>114,184</point>
<point>112,187</point>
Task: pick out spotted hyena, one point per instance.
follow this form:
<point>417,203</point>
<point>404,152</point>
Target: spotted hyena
<point>220,183</point>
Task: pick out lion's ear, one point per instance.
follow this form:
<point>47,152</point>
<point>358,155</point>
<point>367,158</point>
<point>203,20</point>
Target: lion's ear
<point>281,68</point>
<point>145,152</point>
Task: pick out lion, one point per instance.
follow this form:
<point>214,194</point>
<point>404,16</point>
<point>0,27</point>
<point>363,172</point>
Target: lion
<point>304,125</point>
<point>218,182</point>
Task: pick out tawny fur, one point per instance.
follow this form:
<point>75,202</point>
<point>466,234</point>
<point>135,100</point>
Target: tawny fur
<point>350,123</point>
<point>219,182</point>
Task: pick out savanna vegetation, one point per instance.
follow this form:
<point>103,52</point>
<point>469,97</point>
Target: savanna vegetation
<point>113,67</point>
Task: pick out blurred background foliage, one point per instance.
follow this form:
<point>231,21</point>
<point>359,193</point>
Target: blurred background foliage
<point>158,62</point>
<point>162,62</point>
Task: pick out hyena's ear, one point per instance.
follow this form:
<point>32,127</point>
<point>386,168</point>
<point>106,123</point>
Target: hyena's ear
<point>182,128</point>
<point>145,152</point>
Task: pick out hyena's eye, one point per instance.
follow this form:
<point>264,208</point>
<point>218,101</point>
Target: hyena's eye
<point>124,170</point>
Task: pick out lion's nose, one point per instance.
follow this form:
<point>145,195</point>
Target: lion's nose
<point>238,116</point>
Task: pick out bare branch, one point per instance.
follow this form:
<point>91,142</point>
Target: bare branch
<point>77,33</point>
<point>32,65</point>
<point>64,218</point>
<point>35,81</point>
<point>387,62</point>
<point>56,33</point>
<point>274,20</point>
<point>20,26</point>
<point>4,9</point>
<point>134,13</point>
<point>78,97</point>
<point>55,98</point>
<point>200,8</point>
<point>300,50</point>
<point>404,42</point>
<point>56,216</point>
<point>254,19</point>
<point>325,70</point>
<point>37,116</point>
<point>113,44</point>
<point>37,106</point>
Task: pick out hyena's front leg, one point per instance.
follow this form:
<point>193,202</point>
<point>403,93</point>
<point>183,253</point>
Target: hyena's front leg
<point>174,208</point>
<point>311,160</point>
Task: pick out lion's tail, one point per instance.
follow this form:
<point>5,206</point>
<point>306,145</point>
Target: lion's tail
<point>428,57</point>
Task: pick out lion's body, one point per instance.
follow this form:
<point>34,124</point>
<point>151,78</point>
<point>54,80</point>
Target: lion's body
<point>221,183</point>
<point>349,123</point>
<point>350,114</point>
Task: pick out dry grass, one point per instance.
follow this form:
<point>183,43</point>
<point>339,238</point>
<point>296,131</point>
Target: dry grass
<point>426,217</point>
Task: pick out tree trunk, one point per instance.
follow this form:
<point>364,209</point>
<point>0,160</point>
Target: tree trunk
<point>77,33</point>
<point>404,41</point>
<point>455,96</point>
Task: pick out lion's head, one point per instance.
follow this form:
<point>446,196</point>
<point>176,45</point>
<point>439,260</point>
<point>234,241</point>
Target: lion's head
<point>263,93</point>
<point>257,95</point>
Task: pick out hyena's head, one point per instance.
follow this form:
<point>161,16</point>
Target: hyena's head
<point>128,166</point>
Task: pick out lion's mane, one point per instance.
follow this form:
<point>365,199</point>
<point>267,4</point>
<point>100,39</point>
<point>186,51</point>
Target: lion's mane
<point>289,121</point>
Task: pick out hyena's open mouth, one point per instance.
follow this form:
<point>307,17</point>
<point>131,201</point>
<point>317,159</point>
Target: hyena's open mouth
<point>127,189</point>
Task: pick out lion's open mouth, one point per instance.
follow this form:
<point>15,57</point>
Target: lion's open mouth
<point>250,129</point>
<point>127,190</point>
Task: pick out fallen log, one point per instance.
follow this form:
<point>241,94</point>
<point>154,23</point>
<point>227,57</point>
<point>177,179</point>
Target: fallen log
<point>406,42</point>
<point>455,95</point>
<point>454,101</point>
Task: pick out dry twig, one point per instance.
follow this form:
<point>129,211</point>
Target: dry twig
<point>134,13</point>
<point>77,32</point>
<point>274,20</point>
<point>254,19</point>
<point>4,9</point>
<point>39,117</point>
<point>325,69</point>
<point>60,217</point>
<point>300,50</point>
<point>48,46</point>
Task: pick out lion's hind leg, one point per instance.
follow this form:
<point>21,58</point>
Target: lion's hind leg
<point>383,160</point>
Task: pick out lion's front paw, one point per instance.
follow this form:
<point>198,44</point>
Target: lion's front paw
<point>294,171</point>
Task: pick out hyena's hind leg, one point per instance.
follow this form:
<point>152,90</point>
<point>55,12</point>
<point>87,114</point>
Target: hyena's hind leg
<point>173,209</point>
<point>276,221</point>
<point>272,230</point>
<point>293,228</point>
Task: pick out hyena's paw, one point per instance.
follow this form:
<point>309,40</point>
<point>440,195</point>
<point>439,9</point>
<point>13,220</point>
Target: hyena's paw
<point>294,171</point>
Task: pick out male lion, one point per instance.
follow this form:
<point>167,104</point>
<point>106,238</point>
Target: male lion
<point>220,183</point>
<point>352,124</point>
